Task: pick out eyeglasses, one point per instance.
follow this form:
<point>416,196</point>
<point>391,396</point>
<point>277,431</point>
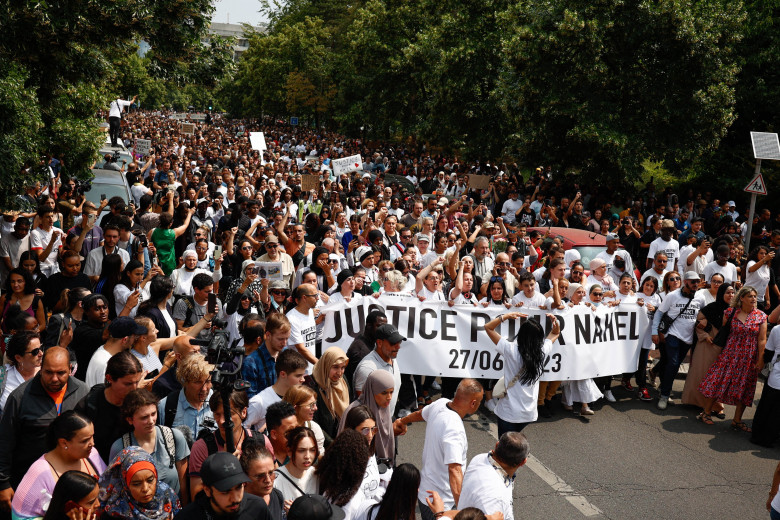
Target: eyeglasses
<point>271,475</point>
<point>365,431</point>
<point>201,249</point>
<point>597,294</point>
<point>34,352</point>
<point>246,248</point>
<point>675,279</point>
<point>271,246</point>
<point>333,261</point>
<point>660,261</point>
<point>312,406</point>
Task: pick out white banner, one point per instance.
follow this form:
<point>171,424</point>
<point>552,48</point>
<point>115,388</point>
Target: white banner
<point>258,141</point>
<point>451,341</point>
<point>142,146</point>
<point>347,164</point>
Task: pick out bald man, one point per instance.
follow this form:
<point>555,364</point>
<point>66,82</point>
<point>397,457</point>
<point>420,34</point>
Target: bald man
<point>23,428</point>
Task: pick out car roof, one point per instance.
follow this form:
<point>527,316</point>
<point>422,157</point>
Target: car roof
<point>108,177</point>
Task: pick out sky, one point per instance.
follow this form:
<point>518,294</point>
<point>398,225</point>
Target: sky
<point>237,11</point>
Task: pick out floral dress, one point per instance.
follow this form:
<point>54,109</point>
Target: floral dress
<point>731,379</point>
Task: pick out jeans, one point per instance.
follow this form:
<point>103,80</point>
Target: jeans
<point>425,511</point>
<point>674,351</point>
<point>773,514</point>
<point>641,371</point>
<point>506,426</point>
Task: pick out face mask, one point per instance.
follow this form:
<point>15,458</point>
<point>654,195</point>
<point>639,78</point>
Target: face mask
<point>620,263</point>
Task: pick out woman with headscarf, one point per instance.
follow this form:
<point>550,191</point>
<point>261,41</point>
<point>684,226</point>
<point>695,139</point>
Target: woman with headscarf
<point>569,257</point>
<point>377,395</point>
<point>598,274</point>
<point>708,322</point>
<point>182,277</point>
<point>247,282</point>
<point>332,391</point>
<point>320,258</point>
<point>129,489</point>
<point>345,283</point>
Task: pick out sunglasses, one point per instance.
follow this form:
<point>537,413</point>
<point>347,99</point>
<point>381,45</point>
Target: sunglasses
<point>675,279</point>
<point>279,292</point>
<point>34,352</point>
<point>365,431</point>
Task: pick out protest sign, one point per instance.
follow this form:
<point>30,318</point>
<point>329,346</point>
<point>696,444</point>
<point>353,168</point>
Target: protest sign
<point>451,342</point>
<point>270,270</point>
<point>347,164</point>
<point>479,182</point>
<point>142,147</point>
<point>310,182</point>
<point>258,141</point>
<point>187,128</point>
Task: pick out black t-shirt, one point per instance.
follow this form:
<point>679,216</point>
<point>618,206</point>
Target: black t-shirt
<point>86,340</point>
<point>106,419</point>
<point>252,508</point>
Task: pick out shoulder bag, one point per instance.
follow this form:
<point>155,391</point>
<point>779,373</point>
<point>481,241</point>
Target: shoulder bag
<point>666,321</point>
<point>500,389</point>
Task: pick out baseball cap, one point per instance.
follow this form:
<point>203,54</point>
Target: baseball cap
<point>223,471</point>
<point>201,201</point>
<point>124,326</point>
<point>443,201</point>
<point>314,507</point>
<point>390,333</point>
<point>422,236</point>
<point>611,236</point>
<point>271,239</point>
<point>691,275</point>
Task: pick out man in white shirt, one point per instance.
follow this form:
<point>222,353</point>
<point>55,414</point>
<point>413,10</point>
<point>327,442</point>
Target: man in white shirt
<point>511,206</point>
<point>659,270</point>
<point>95,257</point>
<point>490,477</point>
<point>695,256</point>
<point>115,117</point>
<point>721,265</point>
<point>290,371</point>
<point>446,445</point>
<point>667,244</point>
<point>12,245</point>
<point>123,332</point>
<point>303,326</point>
<point>46,241</point>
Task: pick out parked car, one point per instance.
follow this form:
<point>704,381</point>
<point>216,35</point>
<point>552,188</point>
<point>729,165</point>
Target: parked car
<point>107,184</point>
<point>588,243</point>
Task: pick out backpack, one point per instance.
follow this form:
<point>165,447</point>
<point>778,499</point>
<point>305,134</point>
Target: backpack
<point>168,441</point>
<point>210,438</point>
<point>171,404</point>
<point>189,301</point>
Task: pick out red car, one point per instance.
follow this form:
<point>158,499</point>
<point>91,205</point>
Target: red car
<point>588,243</point>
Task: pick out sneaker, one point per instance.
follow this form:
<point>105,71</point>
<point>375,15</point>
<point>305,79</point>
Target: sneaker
<point>609,396</point>
<point>544,411</point>
<point>435,386</point>
<point>627,385</point>
<point>644,395</point>
<point>662,402</point>
<point>491,404</point>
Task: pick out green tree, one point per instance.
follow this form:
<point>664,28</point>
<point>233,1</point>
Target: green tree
<point>598,86</point>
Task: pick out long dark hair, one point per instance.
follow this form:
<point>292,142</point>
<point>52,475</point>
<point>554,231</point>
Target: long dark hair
<point>356,416</point>
<point>343,466</point>
<point>29,282</point>
<point>72,485</point>
<point>159,289</point>
<point>65,427</point>
<point>400,498</point>
<point>529,343</point>
<point>131,266</point>
<point>111,273</point>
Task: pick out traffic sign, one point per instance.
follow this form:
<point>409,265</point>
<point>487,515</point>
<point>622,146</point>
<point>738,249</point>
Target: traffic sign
<point>757,185</point>
<point>293,121</point>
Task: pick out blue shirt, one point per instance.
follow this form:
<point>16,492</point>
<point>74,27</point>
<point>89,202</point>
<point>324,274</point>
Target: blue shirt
<point>259,370</point>
<point>186,414</point>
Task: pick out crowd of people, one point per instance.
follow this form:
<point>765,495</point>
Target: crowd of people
<point>106,395</point>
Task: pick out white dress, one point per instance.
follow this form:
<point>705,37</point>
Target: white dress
<point>581,391</point>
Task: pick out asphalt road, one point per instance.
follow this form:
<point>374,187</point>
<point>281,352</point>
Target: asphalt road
<point>629,461</point>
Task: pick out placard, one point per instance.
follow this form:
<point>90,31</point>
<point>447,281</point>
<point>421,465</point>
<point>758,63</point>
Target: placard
<point>142,147</point>
<point>479,182</point>
<point>270,270</point>
<point>347,164</point>
<point>451,341</point>
<point>188,128</point>
<point>310,182</point>
<point>257,139</point>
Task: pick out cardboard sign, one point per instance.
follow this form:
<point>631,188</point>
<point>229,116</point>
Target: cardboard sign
<point>347,164</point>
<point>310,182</point>
<point>258,141</point>
<point>479,182</point>
<point>188,128</point>
<point>142,147</point>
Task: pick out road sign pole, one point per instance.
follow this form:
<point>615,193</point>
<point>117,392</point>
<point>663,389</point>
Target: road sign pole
<point>751,212</point>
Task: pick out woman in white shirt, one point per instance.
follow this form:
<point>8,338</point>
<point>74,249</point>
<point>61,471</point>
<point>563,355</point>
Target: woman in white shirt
<point>583,391</point>
<point>133,278</point>
<point>304,399</point>
<point>341,471</point>
<point>25,355</point>
<point>523,367</point>
<point>758,262</point>
<point>345,281</point>
<point>298,474</point>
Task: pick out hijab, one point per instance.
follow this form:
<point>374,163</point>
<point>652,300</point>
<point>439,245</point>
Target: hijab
<point>335,395</point>
<point>714,311</point>
<point>377,382</point>
<point>115,498</point>
<point>257,285</point>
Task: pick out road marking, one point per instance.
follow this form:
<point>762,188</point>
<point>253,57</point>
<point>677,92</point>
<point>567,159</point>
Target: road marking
<point>557,483</point>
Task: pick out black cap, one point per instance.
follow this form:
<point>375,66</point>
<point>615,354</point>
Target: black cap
<point>124,326</point>
<point>222,471</point>
<point>390,333</point>
<point>314,507</point>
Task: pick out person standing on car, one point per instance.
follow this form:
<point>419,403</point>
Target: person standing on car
<point>115,117</point>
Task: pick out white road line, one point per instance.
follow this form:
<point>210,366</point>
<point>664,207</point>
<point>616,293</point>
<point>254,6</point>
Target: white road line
<point>557,483</point>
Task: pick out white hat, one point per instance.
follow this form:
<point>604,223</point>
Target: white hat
<point>362,252</point>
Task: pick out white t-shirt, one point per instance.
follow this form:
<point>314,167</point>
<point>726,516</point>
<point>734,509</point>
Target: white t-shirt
<point>445,443</point>
<point>255,414</point>
<point>671,249</point>
<point>673,304</point>
<point>697,264</point>
<point>12,380</point>
<point>509,209</point>
<point>303,329</point>
<point>95,260</point>
<point>96,371</point>
<point>654,274</point>
<point>486,488</point>
<point>536,300</point>
<point>729,271</point>
<point>39,239</point>
<point>437,296</point>
<point>519,405</point>
<point>758,279</point>
<point>308,482</point>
